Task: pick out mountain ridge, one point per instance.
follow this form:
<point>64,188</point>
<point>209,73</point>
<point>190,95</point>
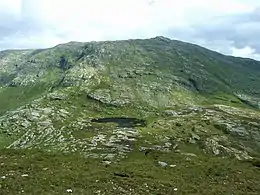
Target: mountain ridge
<point>188,59</point>
<point>155,37</point>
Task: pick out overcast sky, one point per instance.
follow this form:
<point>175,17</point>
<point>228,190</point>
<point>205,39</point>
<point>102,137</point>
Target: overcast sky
<point>228,26</point>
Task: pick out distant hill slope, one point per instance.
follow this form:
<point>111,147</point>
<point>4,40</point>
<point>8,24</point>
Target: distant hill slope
<point>131,67</point>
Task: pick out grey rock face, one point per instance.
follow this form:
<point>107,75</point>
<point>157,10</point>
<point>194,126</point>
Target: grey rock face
<point>162,164</point>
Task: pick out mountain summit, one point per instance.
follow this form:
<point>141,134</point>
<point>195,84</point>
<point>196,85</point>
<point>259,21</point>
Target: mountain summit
<point>159,61</point>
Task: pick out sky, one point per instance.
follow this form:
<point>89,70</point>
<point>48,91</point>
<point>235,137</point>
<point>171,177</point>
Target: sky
<point>228,26</point>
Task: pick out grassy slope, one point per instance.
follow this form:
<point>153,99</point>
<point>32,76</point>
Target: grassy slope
<point>55,173</point>
<point>14,97</point>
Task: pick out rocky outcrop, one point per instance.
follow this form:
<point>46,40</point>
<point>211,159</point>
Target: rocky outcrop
<point>51,96</point>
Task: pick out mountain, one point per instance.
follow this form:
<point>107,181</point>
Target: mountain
<point>121,115</point>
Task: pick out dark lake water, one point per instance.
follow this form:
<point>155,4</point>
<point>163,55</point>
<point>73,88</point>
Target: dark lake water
<point>122,121</point>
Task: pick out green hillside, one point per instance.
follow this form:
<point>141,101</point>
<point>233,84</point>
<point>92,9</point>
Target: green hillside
<point>152,116</point>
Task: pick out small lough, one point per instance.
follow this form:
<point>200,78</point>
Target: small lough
<point>122,121</point>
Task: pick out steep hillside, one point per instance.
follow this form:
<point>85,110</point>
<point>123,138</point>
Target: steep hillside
<point>131,69</point>
<point>125,107</point>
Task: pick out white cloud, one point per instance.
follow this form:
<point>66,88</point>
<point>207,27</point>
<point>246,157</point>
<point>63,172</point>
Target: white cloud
<point>246,52</point>
<point>12,7</point>
<point>127,15</point>
<point>44,23</point>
